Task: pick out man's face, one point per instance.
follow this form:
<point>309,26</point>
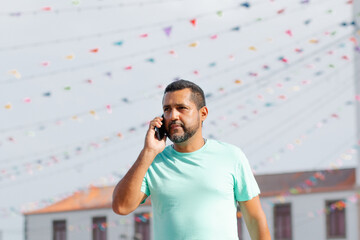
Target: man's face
<point>182,119</point>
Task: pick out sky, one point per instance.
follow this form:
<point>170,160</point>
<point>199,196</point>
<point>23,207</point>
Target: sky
<point>80,80</point>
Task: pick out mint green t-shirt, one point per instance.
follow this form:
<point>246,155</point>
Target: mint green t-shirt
<point>193,195</point>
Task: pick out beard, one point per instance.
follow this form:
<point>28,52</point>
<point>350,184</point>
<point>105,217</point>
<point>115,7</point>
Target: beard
<point>188,132</point>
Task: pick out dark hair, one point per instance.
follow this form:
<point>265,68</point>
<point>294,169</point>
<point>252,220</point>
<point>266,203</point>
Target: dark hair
<point>197,95</point>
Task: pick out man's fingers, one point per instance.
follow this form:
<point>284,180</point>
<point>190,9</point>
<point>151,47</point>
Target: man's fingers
<point>156,123</point>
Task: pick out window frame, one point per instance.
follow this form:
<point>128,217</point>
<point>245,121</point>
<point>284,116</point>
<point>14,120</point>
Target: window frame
<point>94,220</point>
<point>289,205</point>
<point>136,224</point>
<point>327,219</point>
<point>54,223</point>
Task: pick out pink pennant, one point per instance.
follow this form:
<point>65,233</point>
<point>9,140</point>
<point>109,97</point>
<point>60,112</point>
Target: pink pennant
<point>128,67</point>
<point>283,97</point>
<point>45,64</point>
<point>193,22</point>
<point>289,32</point>
<point>357,98</point>
<point>196,72</point>
<point>108,107</point>
<point>172,52</point>
<point>353,39</point>
<point>145,35</point>
<point>345,57</point>
<point>46,8</point>
<point>281,11</point>
<point>27,100</point>
<point>334,115</point>
<point>214,36</point>
<point>290,146</point>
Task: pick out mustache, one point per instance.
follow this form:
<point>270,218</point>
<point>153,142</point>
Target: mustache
<point>177,123</point>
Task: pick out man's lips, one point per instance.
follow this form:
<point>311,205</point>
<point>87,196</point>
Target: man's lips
<point>174,126</point>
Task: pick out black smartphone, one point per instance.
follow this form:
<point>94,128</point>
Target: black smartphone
<point>160,132</point>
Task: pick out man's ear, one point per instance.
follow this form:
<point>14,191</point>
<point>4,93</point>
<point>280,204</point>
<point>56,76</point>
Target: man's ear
<point>203,113</point>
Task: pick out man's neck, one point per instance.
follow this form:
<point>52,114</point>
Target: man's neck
<point>191,145</point>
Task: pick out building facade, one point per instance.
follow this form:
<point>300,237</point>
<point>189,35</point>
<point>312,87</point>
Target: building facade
<point>301,205</point>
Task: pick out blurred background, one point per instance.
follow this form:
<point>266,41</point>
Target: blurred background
<point>80,81</point>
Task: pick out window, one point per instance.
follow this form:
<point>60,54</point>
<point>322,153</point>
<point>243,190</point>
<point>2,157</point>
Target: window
<point>335,219</point>
<point>282,221</point>
<point>99,228</point>
<point>239,222</point>
<point>59,230</point>
<point>142,226</point>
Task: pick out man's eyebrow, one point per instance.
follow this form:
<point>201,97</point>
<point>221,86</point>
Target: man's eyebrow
<point>176,105</point>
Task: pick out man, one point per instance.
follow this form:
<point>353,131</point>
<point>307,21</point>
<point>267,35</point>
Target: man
<point>194,183</point>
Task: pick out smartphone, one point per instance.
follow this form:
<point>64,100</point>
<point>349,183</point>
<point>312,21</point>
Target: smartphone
<point>160,132</point>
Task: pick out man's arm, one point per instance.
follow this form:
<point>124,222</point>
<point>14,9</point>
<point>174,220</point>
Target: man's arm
<point>255,219</point>
<point>127,194</point>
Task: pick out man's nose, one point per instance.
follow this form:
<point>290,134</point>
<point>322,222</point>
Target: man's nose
<point>174,115</point>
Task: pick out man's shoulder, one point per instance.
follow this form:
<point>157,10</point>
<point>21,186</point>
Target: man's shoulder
<point>224,145</point>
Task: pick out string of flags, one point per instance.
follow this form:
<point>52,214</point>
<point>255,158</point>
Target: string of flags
<point>280,100</point>
<point>298,141</point>
<point>119,43</point>
<point>39,164</point>
<point>109,108</point>
<point>77,8</point>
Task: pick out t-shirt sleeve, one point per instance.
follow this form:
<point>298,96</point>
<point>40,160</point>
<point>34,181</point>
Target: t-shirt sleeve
<point>245,186</point>
<point>144,187</point>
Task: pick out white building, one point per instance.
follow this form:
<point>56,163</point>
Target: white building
<point>299,205</point>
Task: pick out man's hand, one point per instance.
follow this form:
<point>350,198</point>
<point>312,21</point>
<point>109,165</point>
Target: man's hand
<point>152,144</point>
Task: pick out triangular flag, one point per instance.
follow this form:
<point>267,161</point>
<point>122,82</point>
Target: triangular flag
<point>236,28</point>
<point>145,35</point>
<point>128,67</point>
<point>289,32</point>
<point>219,13</point>
<point>46,8</point>
<point>119,43</point>
<point>214,36</point>
<point>95,50</point>
<point>194,44</point>
<point>152,60</point>
<point>167,31</point>
<point>306,22</point>
<point>193,22</point>
<point>70,57</point>
<point>245,4</point>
